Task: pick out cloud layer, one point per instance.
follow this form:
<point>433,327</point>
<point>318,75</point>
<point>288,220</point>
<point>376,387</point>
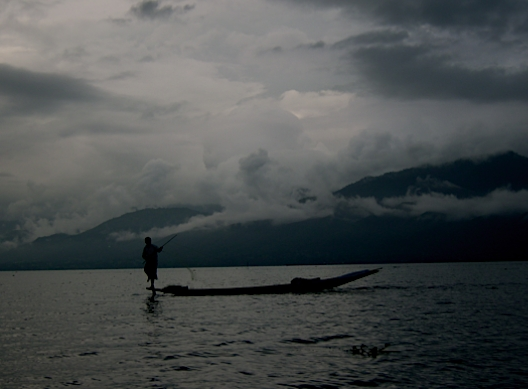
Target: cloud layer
<point>106,107</point>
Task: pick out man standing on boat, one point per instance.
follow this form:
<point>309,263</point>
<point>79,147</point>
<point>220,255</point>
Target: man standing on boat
<point>150,255</point>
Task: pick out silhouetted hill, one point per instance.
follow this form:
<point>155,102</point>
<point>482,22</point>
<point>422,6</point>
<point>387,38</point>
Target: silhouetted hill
<point>96,248</point>
<point>463,178</point>
<point>373,239</point>
<point>428,237</point>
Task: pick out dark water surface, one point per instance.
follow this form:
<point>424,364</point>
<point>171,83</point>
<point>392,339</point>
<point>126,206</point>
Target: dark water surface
<point>448,325</point>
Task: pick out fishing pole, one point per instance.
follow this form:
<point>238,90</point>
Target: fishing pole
<point>169,240</point>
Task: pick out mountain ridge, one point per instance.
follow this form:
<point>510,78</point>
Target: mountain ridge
<point>462,178</point>
<point>427,237</point>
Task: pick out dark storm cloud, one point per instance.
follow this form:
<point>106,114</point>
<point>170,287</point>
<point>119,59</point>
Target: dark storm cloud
<point>151,9</point>
<point>495,17</point>
<point>24,92</point>
<point>414,72</point>
<point>27,91</point>
<point>421,49</point>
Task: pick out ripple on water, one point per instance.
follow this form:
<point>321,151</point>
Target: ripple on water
<point>445,323</point>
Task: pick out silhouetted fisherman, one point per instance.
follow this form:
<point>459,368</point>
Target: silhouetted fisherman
<point>150,255</point>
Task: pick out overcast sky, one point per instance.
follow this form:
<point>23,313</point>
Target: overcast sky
<point>109,106</point>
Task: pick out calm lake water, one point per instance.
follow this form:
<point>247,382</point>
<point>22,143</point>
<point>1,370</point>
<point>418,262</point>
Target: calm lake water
<point>448,325</point>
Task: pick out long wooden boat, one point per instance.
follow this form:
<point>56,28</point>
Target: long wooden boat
<point>297,285</point>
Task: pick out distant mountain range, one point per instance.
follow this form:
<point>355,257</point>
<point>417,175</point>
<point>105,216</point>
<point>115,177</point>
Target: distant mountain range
<point>344,237</point>
<point>463,178</point>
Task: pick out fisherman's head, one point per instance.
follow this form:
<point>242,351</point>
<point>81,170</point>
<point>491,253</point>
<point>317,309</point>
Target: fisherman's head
<point>148,240</point>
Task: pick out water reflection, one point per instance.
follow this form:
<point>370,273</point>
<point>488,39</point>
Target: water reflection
<point>153,306</point>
